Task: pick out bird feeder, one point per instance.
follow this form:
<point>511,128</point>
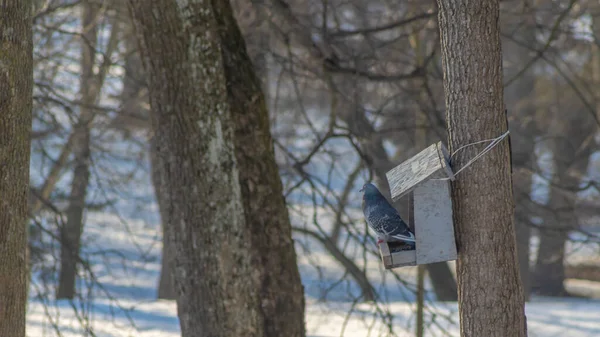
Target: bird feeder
<point>427,175</point>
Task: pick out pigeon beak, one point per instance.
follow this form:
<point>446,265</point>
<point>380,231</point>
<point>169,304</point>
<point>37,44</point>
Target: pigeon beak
<point>362,189</point>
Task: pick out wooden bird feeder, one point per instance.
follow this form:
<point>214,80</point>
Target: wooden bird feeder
<point>432,208</point>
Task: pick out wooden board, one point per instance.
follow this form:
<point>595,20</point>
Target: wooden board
<point>434,233</point>
<point>433,162</point>
<point>398,259</point>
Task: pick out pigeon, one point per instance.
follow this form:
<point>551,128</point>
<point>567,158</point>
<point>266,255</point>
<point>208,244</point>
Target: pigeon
<point>384,219</point>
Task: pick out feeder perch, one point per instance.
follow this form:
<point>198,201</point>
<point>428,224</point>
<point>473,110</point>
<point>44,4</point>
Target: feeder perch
<point>432,208</point>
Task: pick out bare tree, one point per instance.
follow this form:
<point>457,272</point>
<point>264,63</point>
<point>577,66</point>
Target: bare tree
<point>16,83</point>
<point>213,161</point>
<point>487,267</point>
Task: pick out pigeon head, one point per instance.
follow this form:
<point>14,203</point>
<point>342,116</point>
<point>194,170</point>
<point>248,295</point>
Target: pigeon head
<point>370,192</point>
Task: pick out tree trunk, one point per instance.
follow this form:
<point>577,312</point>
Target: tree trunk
<point>133,115</point>
<point>443,282</point>
<point>166,283</point>
<point>16,83</point>
<point>227,217</point>
<point>90,86</point>
<point>489,290</point>
<point>522,180</point>
<point>549,269</point>
<point>262,191</point>
<point>521,100</point>
<point>70,234</point>
<point>572,145</point>
<point>571,157</point>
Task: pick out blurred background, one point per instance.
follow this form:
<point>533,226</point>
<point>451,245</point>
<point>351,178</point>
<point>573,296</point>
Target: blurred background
<point>354,88</point>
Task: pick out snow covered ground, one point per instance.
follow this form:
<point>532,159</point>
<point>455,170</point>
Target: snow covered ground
<point>151,318</point>
<point>118,297</point>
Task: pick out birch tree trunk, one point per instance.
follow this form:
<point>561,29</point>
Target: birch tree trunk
<point>234,263</point>
<point>489,290</point>
<point>16,83</point>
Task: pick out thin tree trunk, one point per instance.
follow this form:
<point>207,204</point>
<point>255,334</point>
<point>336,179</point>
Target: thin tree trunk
<point>16,83</point>
<point>522,180</point>
<point>166,283</point>
<point>561,217</point>
<point>90,86</point>
<point>132,116</point>
<point>70,234</point>
<point>549,269</point>
<point>226,214</point>
<point>133,111</point>
<point>420,143</point>
<point>521,100</point>
<point>489,289</point>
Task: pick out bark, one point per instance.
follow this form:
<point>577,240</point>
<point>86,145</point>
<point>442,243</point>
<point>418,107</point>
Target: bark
<point>16,83</point>
<point>90,86</point>
<point>227,217</point>
<point>489,290</point>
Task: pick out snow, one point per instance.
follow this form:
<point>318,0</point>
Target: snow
<point>118,294</point>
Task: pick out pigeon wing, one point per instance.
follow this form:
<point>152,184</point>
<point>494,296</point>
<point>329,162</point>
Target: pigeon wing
<point>385,220</point>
